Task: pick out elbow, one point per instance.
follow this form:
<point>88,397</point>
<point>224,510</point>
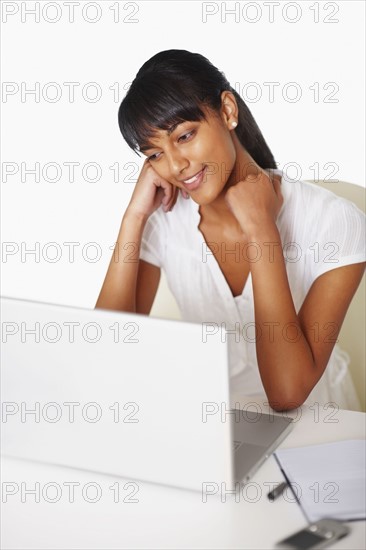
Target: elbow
<point>290,394</point>
<point>281,401</point>
<point>285,405</point>
<point>99,305</point>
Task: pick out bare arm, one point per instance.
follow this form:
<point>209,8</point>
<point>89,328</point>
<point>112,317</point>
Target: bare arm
<point>293,349</point>
<point>140,279</point>
<point>291,358</point>
<point>130,283</point>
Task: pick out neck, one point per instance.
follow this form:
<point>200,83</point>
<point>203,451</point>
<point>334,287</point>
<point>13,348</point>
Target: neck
<point>218,211</point>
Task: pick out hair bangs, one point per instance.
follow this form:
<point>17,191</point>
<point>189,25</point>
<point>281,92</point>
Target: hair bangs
<point>149,106</point>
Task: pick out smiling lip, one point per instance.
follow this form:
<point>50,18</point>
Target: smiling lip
<point>196,181</point>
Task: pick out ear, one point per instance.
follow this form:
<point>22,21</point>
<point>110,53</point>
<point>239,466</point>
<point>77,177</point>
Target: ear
<point>229,108</point>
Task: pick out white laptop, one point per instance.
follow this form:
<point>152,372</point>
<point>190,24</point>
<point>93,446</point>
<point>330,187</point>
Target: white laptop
<point>128,395</point>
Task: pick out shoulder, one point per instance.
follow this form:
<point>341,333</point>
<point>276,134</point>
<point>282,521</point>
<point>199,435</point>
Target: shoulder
<point>181,211</point>
<point>329,229</point>
<point>317,208</point>
<point>176,223</point>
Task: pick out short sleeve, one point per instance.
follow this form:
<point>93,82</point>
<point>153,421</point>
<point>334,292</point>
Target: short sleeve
<point>339,238</point>
<point>153,241</point>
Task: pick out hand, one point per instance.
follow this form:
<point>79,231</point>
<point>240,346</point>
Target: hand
<point>255,201</point>
<point>150,192</point>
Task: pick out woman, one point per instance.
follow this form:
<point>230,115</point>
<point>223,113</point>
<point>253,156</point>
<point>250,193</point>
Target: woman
<point>275,262</point>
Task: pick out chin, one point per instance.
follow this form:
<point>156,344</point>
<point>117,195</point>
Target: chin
<point>203,199</point>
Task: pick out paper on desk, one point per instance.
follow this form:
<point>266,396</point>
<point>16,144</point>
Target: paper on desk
<point>329,479</point>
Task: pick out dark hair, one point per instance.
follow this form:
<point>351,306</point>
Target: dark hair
<point>169,88</point>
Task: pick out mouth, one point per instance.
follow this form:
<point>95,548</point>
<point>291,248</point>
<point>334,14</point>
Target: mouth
<point>193,183</point>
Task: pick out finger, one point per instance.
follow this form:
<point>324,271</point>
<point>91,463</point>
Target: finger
<point>184,193</point>
<point>168,196</point>
<point>277,186</point>
<point>175,193</point>
<point>270,177</point>
<point>146,163</point>
<point>174,199</point>
<point>167,193</point>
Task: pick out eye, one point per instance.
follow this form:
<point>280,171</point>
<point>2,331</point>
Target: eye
<point>187,136</point>
<point>153,157</point>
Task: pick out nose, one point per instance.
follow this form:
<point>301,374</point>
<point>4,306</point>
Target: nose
<point>177,163</point>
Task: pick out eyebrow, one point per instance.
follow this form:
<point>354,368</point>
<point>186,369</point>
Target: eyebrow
<point>169,131</point>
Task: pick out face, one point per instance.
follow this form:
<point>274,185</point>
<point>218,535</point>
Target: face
<point>205,148</point>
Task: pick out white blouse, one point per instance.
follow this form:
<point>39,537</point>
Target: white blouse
<point>319,231</point>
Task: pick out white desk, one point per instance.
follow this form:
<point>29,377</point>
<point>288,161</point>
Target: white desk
<point>164,517</point>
